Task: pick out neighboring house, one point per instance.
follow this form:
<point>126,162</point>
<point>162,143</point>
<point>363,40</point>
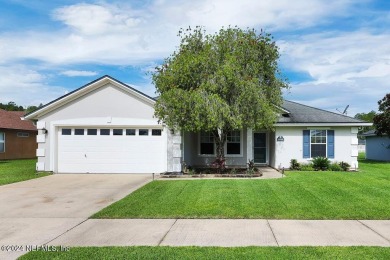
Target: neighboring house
<point>108,127</point>
<point>17,137</point>
<point>377,147</point>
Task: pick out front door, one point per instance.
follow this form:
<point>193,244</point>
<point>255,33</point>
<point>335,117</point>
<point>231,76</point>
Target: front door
<point>260,148</point>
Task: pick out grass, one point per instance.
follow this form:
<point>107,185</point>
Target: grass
<point>18,170</point>
<point>301,195</point>
<point>214,253</point>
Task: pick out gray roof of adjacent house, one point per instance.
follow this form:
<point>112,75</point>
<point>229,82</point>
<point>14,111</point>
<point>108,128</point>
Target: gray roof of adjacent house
<point>298,113</point>
<point>371,133</point>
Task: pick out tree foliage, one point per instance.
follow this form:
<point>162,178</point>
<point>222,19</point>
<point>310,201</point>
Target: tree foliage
<point>220,82</point>
<point>382,119</point>
<point>368,117</point>
<point>11,106</point>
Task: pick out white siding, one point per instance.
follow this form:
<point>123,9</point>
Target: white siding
<point>292,147</point>
<point>107,106</point>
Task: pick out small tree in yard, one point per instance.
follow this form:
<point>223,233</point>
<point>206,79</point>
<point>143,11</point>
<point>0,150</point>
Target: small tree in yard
<point>219,83</point>
<point>382,120</point>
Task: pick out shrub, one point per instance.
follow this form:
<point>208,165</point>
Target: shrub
<point>233,171</point>
<point>219,164</point>
<point>307,167</point>
<point>251,167</point>
<point>345,166</point>
<point>335,167</point>
<point>295,165</point>
<point>321,163</point>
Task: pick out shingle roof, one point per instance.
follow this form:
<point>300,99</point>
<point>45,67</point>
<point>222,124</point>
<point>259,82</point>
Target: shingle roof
<point>11,120</point>
<point>371,133</point>
<point>299,113</point>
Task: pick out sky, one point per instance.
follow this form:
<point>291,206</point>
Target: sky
<point>334,52</point>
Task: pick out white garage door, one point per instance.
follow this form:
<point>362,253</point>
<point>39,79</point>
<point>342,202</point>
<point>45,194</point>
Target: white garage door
<point>111,150</point>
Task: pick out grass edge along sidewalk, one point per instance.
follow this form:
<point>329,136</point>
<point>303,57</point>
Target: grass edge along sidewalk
<point>146,252</point>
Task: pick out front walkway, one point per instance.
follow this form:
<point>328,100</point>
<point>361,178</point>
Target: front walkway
<point>227,233</point>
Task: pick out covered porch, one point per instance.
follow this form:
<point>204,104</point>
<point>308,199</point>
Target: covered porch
<point>199,148</point>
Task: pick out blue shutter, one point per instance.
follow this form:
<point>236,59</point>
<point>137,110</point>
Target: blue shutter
<point>330,147</point>
<point>306,143</point>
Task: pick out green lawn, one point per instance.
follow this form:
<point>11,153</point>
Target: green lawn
<point>215,253</point>
<point>301,195</point>
<point>18,170</point>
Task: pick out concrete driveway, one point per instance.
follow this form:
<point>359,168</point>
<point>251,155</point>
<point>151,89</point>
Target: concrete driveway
<point>37,211</point>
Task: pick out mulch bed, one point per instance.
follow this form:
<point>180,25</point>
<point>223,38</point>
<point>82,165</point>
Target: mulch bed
<point>241,174</point>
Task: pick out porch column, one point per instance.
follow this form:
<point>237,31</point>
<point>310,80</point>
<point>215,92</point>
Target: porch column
<point>249,144</point>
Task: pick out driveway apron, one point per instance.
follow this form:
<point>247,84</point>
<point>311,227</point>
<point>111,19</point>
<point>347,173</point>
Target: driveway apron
<point>34,212</point>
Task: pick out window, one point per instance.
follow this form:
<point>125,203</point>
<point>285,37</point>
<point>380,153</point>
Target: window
<point>91,131</point>
<point>143,132</point>
<point>206,143</point>
<point>117,131</point>
<point>130,131</point>
<point>233,142</point>
<point>104,131</point>
<point>2,142</point>
<point>318,143</point>
<point>79,131</point>
<point>156,131</point>
<point>66,131</point>
<point>22,134</point>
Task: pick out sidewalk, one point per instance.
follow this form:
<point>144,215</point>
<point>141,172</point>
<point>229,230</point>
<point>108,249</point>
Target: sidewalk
<point>226,232</point>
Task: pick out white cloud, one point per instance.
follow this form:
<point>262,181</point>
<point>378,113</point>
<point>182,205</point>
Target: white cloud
<point>78,73</point>
<point>347,68</point>
<point>120,34</point>
<point>93,19</point>
<point>338,56</point>
<point>26,86</point>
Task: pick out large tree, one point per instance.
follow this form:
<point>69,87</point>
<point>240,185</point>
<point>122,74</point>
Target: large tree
<point>382,120</point>
<point>220,82</point>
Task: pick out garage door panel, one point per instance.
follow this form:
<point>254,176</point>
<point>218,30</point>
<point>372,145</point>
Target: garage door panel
<point>111,154</point>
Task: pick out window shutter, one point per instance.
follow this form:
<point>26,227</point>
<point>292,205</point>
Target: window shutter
<point>306,143</point>
<point>330,144</point>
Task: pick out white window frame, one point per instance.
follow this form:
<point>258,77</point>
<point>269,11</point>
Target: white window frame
<point>199,144</point>
<point>71,130</point>
<point>109,131</point>
<point>151,132</point>
<point>22,134</point>
<point>326,141</point>
<point>241,146</point>
<point>3,142</point>
<point>225,147</point>
<point>147,129</point>
<point>135,131</point>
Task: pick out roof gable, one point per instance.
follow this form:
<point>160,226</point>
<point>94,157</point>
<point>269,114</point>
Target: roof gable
<point>98,83</point>
<point>12,120</point>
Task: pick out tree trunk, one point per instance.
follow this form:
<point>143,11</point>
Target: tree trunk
<point>220,139</point>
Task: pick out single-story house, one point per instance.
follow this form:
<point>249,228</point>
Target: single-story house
<point>17,137</point>
<point>377,147</point>
<point>107,126</point>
